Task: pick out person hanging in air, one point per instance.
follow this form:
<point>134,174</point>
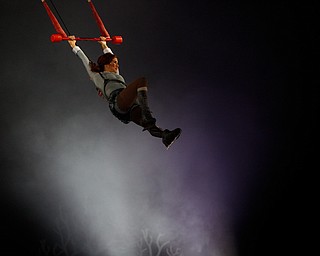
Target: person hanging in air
<point>127,102</point>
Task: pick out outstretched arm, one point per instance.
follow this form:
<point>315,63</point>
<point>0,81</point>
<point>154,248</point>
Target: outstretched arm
<point>85,60</point>
<point>104,45</point>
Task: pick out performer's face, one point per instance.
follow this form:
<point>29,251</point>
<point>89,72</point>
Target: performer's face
<point>113,66</point>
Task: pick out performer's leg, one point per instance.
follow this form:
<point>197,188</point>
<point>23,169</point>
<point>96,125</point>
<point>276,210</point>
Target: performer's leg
<point>167,136</point>
<point>127,97</point>
<point>141,114</point>
<point>136,117</point>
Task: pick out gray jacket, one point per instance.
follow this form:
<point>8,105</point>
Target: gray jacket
<point>116,80</point>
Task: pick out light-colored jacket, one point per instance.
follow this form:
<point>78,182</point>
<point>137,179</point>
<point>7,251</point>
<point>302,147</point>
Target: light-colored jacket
<point>116,81</point>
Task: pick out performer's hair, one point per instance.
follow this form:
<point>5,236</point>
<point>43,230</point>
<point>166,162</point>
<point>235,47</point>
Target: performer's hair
<point>102,60</point>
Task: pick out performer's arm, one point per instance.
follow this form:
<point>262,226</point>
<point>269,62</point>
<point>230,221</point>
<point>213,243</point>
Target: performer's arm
<point>105,48</point>
<point>104,45</point>
<point>77,50</point>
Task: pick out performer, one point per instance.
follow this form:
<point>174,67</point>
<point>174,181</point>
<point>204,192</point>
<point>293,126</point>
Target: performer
<point>127,102</point>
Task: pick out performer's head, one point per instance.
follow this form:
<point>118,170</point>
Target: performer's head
<point>106,62</point>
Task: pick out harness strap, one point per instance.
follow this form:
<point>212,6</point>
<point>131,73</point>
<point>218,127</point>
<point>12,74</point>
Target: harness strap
<point>106,81</point>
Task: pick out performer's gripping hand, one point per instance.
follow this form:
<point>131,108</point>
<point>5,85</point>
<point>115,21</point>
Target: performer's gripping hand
<point>72,41</point>
<point>103,42</point>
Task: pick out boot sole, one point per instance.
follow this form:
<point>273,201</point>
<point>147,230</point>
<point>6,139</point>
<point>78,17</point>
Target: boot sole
<point>175,138</point>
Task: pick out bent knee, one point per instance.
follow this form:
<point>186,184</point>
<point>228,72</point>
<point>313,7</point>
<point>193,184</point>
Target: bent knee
<point>142,82</point>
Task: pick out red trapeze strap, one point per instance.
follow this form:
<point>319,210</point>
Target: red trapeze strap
<point>102,28</point>
<point>54,20</point>
<point>62,35</point>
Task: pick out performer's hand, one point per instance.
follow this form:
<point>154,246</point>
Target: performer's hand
<point>72,41</point>
<point>103,42</point>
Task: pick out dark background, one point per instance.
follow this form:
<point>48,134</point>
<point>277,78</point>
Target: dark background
<point>241,79</point>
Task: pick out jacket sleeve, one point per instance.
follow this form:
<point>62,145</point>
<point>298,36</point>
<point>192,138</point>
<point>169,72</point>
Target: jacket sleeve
<point>85,60</point>
<point>107,50</point>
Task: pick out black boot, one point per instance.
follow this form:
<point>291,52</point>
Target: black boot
<point>168,137</point>
<point>155,131</point>
<point>147,120</point>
